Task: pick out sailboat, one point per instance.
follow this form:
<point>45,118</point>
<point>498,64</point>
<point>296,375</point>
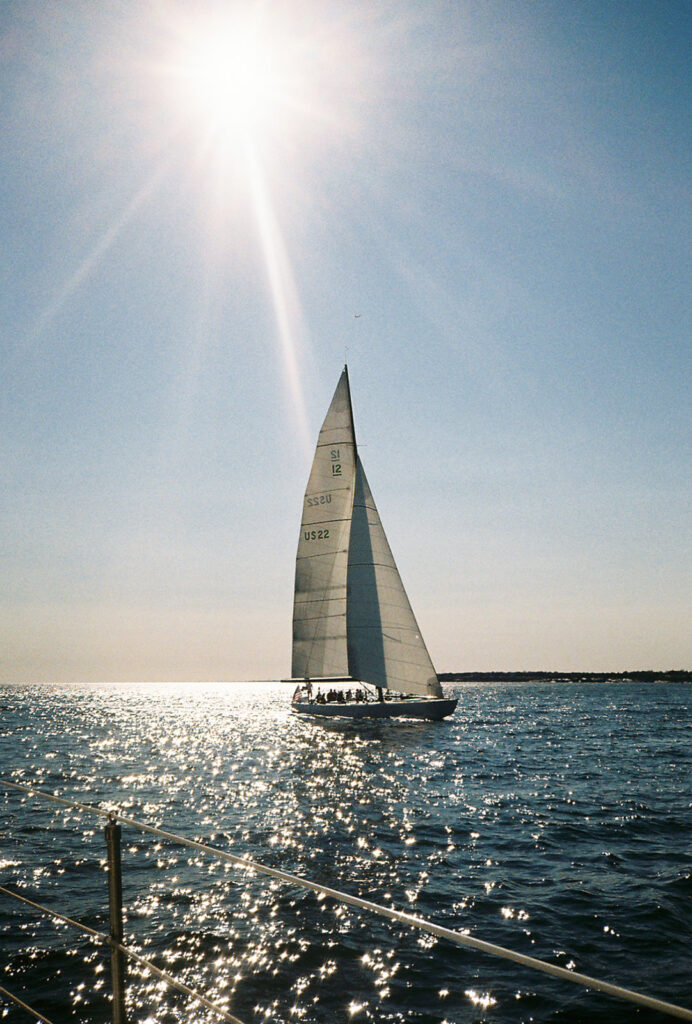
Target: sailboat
<point>352,621</point>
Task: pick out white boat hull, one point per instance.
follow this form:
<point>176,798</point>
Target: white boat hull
<point>434,708</point>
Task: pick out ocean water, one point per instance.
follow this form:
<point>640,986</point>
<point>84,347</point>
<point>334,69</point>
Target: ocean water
<point>554,819</point>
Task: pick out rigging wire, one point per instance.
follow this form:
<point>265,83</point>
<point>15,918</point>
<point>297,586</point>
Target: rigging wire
<point>24,1006</point>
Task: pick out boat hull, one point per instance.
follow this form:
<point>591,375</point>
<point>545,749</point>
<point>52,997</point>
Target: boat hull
<point>433,709</point>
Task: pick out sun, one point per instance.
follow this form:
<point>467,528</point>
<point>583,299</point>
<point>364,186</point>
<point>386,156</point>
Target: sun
<point>233,78</point>
<point>287,82</point>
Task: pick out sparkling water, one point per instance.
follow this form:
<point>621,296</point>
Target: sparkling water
<point>554,819</point>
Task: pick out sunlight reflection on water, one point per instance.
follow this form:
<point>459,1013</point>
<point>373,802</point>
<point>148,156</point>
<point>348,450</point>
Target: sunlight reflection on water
<point>529,818</point>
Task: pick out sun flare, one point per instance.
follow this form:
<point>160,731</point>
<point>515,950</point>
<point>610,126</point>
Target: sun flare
<point>234,79</point>
<point>258,94</point>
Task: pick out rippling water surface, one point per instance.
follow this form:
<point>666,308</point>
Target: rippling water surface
<point>551,818</point>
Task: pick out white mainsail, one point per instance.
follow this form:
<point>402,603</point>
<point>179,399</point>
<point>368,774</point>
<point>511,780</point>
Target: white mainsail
<point>319,608</point>
<point>351,615</point>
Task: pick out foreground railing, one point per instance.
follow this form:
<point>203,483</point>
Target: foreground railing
<point>119,950</point>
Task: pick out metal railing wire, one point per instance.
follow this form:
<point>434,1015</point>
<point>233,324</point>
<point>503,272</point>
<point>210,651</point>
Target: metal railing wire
<point>410,920</point>
<point>25,1006</point>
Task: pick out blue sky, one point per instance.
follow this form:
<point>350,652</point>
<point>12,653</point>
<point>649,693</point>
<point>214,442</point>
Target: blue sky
<point>501,191</point>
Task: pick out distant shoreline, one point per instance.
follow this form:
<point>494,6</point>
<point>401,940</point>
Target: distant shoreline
<point>641,676</point>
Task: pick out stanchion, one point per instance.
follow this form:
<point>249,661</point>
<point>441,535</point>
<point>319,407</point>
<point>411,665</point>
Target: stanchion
<point>115,901</point>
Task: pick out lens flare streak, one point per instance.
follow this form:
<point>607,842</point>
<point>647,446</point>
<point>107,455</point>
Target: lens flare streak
<point>282,285</point>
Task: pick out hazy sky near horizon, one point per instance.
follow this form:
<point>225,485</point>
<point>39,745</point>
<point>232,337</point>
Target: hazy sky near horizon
<point>197,200</point>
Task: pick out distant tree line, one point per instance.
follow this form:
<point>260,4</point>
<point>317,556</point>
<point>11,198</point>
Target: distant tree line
<point>641,676</point>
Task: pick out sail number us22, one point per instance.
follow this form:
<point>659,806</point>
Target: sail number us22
<point>316,534</point>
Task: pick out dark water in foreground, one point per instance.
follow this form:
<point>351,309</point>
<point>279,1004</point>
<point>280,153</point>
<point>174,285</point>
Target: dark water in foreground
<point>554,819</point>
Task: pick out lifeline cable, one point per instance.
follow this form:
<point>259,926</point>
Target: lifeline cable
<point>24,1006</point>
